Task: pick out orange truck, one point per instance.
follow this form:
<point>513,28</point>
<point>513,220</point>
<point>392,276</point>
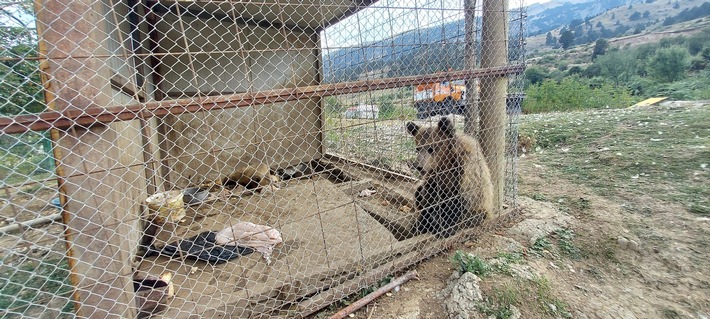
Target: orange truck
<point>440,98</point>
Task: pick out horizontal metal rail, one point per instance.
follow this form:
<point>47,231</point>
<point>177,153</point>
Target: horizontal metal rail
<point>96,114</point>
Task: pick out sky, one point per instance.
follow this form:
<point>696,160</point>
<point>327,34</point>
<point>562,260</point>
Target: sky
<point>399,16</point>
<point>364,27</point>
<point>529,2</point>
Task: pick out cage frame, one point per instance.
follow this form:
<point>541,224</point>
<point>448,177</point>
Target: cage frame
<point>88,116</point>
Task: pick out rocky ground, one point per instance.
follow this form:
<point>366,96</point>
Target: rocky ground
<point>614,225</point>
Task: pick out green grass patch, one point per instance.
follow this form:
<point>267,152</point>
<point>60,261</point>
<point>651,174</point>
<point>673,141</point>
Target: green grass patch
<point>499,302</point>
<point>565,241</point>
<point>511,257</point>
<point>28,287</point>
<point>536,296</point>
<point>465,262</point>
<point>541,244</point>
<point>671,314</point>
<point>564,238</point>
<point>630,152</point>
<point>699,209</point>
<point>547,301</point>
<point>501,264</point>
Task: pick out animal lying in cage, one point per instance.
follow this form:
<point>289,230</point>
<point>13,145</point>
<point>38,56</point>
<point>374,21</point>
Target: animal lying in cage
<point>456,188</point>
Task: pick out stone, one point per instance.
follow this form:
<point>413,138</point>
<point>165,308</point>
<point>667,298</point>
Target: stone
<point>623,242</point>
<point>633,245</point>
<point>514,312</point>
<point>553,308</point>
<point>462,295</point>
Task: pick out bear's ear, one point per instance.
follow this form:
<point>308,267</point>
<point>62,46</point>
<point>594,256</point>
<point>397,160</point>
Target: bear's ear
<point>412,128</point>
<point>447,127</point>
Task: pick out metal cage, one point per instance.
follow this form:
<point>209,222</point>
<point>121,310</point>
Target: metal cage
<point>248,159</point>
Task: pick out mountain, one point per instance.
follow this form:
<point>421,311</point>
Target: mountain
<point>403,55</point>
<point>564,12</point>
<point>421,51</point>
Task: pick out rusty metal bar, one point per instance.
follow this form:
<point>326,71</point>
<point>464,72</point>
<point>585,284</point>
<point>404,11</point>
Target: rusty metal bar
<point>95,114</point>
<point>373,295</point>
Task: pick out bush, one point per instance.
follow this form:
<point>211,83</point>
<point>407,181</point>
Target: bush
<point>669,64</point>
<point>574,70</point>
<point>617,66</point>
<point>332,105</point>
<point>639,86</point>
<point>635,16</point>
<point>25,156</point>
<point>575,93</point>
<point>696,88</point>
<point>698,64</point>
<point>535,75</point>
<point>465,262</point>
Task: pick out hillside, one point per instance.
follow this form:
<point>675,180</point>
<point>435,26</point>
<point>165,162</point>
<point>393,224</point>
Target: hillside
<point>636,18</point>
<point>420,51</point>
<point>563,13</point>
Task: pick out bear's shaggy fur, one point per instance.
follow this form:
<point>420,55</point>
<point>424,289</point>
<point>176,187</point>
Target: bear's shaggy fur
<point>456,189</point>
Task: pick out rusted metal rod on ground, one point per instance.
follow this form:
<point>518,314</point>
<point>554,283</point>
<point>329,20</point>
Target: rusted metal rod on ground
<point>30,223</point>
<point>373,295</point>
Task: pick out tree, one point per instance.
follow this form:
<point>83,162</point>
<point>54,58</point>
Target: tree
<point>576,69</point>
<point>599,48</point>
<point>620,30</point>
<point>676,5</point>
<point>617,66</point>
<point>550,39</point>
<point>665,42</point>
<point>575,22</point>
<point>20,89</point>
<point>669,64</point>
<point>635,16</point>
<point>695,44</point>
<point>639,28</point>
<point>643,56</point>
<point>600,24</point>
<point>566,38</point>
<point>646,14</point>
<point>592,35</point>
<point>698,64</point>
<point>535,75</point>
<point>705,53</point>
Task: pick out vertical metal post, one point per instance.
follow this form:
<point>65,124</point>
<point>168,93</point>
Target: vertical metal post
<point>494,53</point>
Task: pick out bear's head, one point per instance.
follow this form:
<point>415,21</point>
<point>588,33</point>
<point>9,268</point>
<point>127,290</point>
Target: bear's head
<point>434,145</point>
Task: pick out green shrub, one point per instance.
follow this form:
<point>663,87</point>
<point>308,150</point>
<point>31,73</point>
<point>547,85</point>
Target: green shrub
<point>465,262</point>
<point>575,93</point>
<point>669,64</point>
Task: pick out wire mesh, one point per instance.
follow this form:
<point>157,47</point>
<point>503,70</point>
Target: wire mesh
<point>245,158</point>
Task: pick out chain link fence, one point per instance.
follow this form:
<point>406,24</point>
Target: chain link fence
<point>248,159</point>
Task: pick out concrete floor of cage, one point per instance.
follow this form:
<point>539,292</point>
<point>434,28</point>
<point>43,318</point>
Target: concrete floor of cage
<point>328,239</point>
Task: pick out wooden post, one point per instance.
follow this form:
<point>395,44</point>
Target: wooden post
<point>471,113</point>
<point>494,47</point>
<point>99,193</point>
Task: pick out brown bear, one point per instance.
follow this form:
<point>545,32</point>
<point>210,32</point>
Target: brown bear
<point>456,189</point>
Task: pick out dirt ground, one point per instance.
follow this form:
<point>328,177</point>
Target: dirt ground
<point>610,226</point>
<point>603,258</point>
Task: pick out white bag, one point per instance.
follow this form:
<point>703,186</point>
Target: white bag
<point>245,234</point>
